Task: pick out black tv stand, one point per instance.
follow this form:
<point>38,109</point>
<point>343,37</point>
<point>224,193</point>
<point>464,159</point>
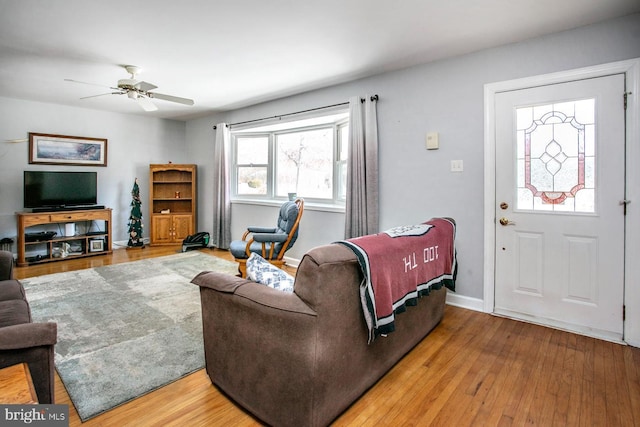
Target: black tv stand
<point>66,208</point>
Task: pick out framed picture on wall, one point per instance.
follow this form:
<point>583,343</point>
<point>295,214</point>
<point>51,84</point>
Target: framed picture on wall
<point>67,150</point>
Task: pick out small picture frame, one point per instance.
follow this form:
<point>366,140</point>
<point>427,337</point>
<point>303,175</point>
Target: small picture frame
<point>96,245</point>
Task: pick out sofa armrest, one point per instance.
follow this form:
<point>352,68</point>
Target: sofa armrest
<point>218,281</point>
<point>254,293</point>
<point>26,335</point>
<point>6,265</point>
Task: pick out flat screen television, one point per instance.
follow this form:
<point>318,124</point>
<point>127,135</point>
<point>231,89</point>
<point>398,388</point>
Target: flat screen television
<point>57,190</point>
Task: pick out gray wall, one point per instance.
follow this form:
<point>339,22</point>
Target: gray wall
<point>133,143</point>
<point>415,184</point>
<point>445,97</point>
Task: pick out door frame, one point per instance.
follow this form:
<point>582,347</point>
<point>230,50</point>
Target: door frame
<point>631,69</point>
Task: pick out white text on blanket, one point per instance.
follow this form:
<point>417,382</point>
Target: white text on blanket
<point>428,255</point>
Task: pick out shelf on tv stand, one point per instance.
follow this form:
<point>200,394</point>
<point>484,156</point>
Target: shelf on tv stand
<point>67,238</point>
<point>86,241</point>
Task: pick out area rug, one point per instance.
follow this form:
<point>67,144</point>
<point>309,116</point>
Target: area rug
<point>126,329</point>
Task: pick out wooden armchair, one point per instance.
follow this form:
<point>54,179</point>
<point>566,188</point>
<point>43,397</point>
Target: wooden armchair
<point>270,243</point>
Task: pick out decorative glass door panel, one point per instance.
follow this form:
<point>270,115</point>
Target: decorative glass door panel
<point>556,157</point>
<point>559,255</point>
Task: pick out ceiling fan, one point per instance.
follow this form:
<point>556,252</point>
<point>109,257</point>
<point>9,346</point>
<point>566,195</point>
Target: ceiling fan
<point>137,90</point>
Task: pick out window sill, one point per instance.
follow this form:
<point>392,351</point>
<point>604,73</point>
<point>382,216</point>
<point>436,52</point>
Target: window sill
<point>311,206</point>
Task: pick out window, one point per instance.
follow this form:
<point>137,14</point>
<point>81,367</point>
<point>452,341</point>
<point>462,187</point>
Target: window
<point>306,157</point>
<point>252,154</point>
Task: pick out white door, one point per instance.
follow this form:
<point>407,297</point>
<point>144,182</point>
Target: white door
<point>560,181</point>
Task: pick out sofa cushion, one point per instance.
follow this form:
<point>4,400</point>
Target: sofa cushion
<point>14,312</point>
<point>11,289</point>
<point>261,271</point>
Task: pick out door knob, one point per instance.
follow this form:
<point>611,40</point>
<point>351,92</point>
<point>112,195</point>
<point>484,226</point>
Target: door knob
<point>505,221</point>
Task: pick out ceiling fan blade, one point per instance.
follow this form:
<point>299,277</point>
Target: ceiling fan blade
<point>85,83</point>
<point>103,94</point>
<point>170,98</point>
<point>144,86</point>
<point>146,104</point>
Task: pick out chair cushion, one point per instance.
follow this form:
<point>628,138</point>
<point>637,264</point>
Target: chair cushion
<point>11,289</point>
<point>14,312</point>
<point>286,220</point>
<point>238,248</point>
<point>261,271</point>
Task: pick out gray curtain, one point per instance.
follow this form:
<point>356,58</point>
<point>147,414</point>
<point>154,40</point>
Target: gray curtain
<point>221,205</point>
<point>361,216</point>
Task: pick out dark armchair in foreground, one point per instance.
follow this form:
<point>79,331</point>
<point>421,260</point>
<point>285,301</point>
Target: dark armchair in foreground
<point>270,242</point>
<point>21,340</point>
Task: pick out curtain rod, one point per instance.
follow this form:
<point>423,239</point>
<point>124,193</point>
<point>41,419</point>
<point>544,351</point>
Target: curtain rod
<point>373,98</point>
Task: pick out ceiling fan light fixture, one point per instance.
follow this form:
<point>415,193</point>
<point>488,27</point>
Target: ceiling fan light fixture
<point>146,104</point>
<point>138,90</point>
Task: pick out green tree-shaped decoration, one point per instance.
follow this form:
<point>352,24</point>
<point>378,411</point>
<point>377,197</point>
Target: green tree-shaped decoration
<point>135,220</point>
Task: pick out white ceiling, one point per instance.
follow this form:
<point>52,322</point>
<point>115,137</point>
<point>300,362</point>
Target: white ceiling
<point>231,53</point>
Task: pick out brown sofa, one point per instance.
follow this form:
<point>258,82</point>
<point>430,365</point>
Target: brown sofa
<point>301,358</point>
<point>21,340</point>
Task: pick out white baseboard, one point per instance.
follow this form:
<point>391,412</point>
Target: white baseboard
<point>462,301</point>
<point>632,342</point>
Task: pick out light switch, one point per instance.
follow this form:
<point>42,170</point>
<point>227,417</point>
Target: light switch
<point>432,141</point>
<point>457,166</point>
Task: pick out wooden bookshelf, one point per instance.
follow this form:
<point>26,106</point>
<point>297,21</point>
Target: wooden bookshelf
<point>173,202</point>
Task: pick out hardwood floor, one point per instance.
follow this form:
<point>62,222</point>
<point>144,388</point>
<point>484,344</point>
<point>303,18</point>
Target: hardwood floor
<point>474,369</point>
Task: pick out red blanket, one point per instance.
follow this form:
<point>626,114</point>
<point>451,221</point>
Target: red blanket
<point>401,265</point>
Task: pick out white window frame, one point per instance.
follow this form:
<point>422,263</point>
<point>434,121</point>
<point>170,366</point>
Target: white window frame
<point>270,131</point>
